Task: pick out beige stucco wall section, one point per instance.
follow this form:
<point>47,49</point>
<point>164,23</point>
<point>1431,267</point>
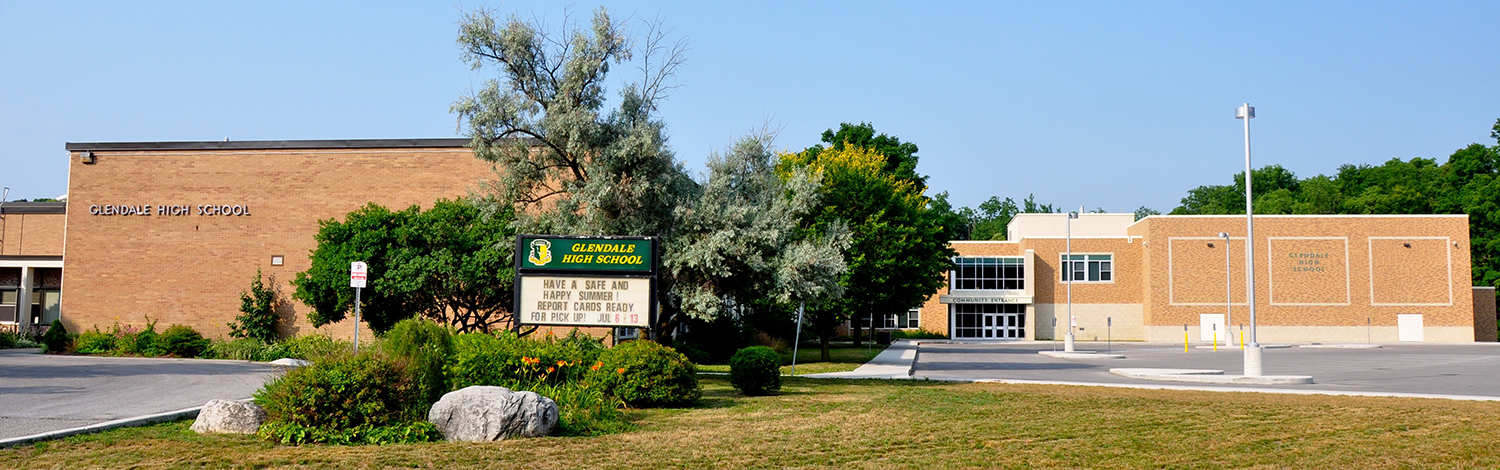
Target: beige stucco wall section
<point>1094,322</point>
<point>189,269</point>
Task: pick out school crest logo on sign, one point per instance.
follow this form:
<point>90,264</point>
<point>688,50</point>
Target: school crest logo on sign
<point>541,252</point>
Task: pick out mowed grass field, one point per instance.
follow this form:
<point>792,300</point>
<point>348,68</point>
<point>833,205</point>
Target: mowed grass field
<point>885,425</point>
<point>842,358</point>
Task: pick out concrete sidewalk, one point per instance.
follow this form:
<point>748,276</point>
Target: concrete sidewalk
<point>44,393</point>
<point>894,362</point>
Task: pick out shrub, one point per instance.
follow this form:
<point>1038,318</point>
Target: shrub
<point>916,334</point>
<point>56,339</point>
<point>554,368</point>
<point>94,342</point>
<point>697,356</point>
<point>257,318</point>
<point>182,341</point>
<point>244,349</point>
<point>755,370</point>
<point>644,373</point>
<point>310,347</point>
<point>426,346</point>
<point>509,361</point>
<point>352,399</point>
<point>7,340</point>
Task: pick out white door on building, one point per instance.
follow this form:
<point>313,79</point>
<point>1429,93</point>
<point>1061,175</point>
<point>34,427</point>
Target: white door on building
<point>1408,327</point>
<point>1211,326</point>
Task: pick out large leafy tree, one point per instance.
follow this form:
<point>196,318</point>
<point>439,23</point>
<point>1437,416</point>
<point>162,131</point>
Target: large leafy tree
<point>450,263</point>
<point>741,241</point>
<point>899,248</point>
<point>566,166</point>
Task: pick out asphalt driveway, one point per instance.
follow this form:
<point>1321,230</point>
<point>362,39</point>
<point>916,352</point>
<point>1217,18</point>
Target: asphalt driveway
<point>43,392</point>
<point>1471,370</point>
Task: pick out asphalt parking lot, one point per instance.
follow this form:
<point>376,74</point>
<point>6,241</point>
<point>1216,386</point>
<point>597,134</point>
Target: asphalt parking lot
<point>41,392</point>
<point>1460,370</point>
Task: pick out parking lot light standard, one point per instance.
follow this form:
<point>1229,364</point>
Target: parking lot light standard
<point>1068,271</point>
<point>1252,352</point>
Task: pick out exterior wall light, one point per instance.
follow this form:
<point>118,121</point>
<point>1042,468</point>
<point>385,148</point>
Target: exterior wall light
<point>278,260</point>
<point>87,157</point>
<point>1408,245</point>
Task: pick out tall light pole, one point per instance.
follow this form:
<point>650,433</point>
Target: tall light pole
<point>1068,271</point>
<point>1252,351</point>
<point>1228,294</point>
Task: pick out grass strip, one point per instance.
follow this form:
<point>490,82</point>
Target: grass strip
<point>898,424</point>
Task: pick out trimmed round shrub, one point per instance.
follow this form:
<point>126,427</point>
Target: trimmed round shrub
<point>426,346</point>
<point>182,341</point>
<point>755,370</point>
<point>56,338</point>
<point>646,374</point>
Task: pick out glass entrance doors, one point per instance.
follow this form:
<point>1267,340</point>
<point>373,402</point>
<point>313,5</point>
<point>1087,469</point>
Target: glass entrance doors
<point>989,321</point>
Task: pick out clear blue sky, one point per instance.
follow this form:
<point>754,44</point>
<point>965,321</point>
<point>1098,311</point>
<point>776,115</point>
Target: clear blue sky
<point>1103,104</point>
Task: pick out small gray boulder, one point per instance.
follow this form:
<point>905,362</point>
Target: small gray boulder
<point>229,417</point>
<point>484,414</point>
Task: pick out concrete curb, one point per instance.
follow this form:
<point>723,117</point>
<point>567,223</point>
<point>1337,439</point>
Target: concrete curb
<point>1340,346</point>
<point>1080,355</point>
<point>104,426</point>
<point>1210,376</point>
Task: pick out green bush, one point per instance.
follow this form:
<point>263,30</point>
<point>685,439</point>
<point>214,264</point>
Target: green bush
<point>56,339</point>
<point>426,346</point>
<point>94,342</point>
<point>257,318</point>
<point>7,340</point>
<point>182,341</point>
<point>244,349</point>
<point>509,361</point>
<point>552,367</point>
<point>697,356</point>
<point>341,400</point>
<point>310,347</point>
<point>400,433</point>
<point>646,374</point>
<point>755,370</point>
<point>916,334</point>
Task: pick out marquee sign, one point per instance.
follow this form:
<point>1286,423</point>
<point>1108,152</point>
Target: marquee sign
<point>586,281</point>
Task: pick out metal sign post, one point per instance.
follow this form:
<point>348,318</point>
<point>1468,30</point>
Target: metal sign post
<point>358,271</point>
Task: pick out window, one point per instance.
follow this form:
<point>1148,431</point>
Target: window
<point>1087,268</point>
<point>912,319</point>
<point>894,321</point>
<point>8,299</point>
<point>988,273</point>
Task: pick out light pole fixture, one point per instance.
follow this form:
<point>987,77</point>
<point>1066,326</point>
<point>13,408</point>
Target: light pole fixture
<point>1252,351</point>
<point>1228,294</point>
<point>1070,273</point>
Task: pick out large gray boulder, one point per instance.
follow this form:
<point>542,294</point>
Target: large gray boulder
<point>483,413</point>
<point>229,417</point>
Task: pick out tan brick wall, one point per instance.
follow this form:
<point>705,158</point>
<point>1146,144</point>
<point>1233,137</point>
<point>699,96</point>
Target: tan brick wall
<point>33,235</point>
<point>189,269</point>
<point>1050,288</point>
<point>1377,277</point>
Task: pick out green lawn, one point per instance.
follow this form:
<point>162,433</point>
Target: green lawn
<point>897,425</point>
<point>844,357</point>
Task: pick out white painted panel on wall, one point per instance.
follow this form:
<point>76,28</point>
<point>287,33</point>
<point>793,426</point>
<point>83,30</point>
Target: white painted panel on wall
<point>1210,326</point>
<point>1409,327</point>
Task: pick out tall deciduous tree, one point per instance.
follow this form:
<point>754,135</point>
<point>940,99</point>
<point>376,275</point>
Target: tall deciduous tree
<point>899,251</point>
<point>450,264</point>
<point>740,239</point>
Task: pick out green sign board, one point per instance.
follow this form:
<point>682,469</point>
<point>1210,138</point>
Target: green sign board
<point>585,254</point>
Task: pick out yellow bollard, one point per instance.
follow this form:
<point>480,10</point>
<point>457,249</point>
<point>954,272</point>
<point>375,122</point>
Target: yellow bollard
<point>1216,341</point>
<point>1184,342</point>
<point>1242,340</point>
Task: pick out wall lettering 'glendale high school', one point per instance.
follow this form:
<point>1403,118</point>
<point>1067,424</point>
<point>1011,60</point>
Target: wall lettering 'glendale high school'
<point>1379,278</point>
<point>175,231</point>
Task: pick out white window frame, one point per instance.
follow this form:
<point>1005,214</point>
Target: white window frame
<point>1063,265</point>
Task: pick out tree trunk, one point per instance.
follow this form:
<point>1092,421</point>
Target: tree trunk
<point>823,341</point>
